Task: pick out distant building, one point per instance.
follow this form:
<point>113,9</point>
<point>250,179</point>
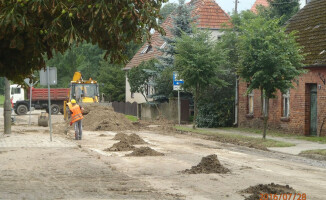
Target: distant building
<point>259,3</point>
<point>209,16</point>
<point>301,110</point>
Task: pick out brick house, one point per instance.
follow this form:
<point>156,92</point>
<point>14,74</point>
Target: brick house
<point>209,16</point>
<point>303,109</point>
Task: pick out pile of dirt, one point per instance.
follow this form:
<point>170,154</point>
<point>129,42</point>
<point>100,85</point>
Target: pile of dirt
<point>131,139</point>
<point>103,118</point>
<point>267,189</point>
<point>120,136</point>
<point>209,164</point>
<point>121,146</point>
<point>145,151</point>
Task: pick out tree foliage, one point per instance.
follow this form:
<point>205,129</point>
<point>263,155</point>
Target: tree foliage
<point>141,77</point>
<point>280,9</point>
<point>182,22</point>
<point>166,10</point>
<point>199,61</point>
<point>30,29</point>
<point>270,58</point>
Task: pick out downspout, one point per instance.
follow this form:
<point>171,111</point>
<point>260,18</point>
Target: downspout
<point>236,102</point>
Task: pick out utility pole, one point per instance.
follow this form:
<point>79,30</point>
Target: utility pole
<point>236,7</point>
<point>7,108</point>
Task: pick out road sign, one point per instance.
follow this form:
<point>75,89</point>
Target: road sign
<point>177,83</point>
<point>52,76</point>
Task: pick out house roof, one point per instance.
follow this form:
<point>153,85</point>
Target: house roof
<point>156,42</point>
<point>259,2</point>
<point>310,24</point>
<point>209,15</point>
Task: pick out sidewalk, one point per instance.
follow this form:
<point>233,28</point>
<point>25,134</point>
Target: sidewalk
<point>300,145</point>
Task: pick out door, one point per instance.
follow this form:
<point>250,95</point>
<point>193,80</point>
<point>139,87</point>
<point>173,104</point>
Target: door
<point>313,110</point>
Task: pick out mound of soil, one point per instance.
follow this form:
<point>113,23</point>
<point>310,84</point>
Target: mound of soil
<point>145,151</point>
<point>135,139</point>
<point>103,118</point>
<point>120,136</point>
<point>267,189</point>
<point>131,139</point>
<point>209,164</point>
<point>121,146</point>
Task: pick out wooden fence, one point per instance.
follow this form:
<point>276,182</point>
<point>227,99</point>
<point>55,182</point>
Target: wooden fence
<point>126,108</point>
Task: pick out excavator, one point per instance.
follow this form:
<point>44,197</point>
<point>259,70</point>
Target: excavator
<point>83,91</point>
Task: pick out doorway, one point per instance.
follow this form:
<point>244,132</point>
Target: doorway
<point>313,109</point>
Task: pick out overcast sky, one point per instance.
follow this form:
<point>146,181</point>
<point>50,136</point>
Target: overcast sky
<point>228,5</point>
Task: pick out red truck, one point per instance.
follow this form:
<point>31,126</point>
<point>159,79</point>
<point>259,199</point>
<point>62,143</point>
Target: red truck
<point>39,99</point>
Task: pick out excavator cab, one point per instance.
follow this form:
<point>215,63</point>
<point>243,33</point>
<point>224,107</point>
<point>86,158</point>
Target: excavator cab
<point>84,91</point>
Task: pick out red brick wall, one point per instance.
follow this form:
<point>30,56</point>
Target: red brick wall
<point>299,120</point>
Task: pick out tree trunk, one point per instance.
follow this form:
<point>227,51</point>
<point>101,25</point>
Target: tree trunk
<point>266,116</point>
<point>7,108</point>
<point>195,106</point>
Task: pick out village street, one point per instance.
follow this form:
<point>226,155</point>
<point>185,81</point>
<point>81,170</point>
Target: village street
<point>32,167</point>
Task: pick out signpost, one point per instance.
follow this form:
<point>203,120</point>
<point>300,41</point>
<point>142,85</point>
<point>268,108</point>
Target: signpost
<point>49,77</point>
<point>177,85</point>
<point>27,81</point>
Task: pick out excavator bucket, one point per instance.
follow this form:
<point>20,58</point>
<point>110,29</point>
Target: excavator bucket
<point>43,119</point>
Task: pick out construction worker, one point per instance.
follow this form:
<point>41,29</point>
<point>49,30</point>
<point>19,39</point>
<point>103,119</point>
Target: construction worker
<point>76,118</point>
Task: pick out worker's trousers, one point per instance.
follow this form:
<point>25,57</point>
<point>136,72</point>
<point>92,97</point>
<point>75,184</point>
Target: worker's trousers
<point>78,130</point>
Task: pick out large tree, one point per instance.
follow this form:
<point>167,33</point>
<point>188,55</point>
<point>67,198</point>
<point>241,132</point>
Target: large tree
<point>199,63</point>
<point>166,10</point>
<point>280,9</point>
<point>270,59</point>
<point>31,28</point>
<point>182,22</point>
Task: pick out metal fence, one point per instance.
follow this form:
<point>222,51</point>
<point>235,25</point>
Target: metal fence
<point>125,108</point>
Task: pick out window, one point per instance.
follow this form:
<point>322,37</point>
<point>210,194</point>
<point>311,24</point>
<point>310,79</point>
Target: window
<point>132,95</point>
<point>264,106</point>
<point>163,45</point>
<point>147,49</point>
<point>251,103</point>
<point>286,104</point>
<point>15,90</point>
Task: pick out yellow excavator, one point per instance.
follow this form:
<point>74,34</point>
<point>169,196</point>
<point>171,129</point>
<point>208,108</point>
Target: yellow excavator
<point>83,91</point>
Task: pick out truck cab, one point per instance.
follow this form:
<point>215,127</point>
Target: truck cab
<point>17,93</point>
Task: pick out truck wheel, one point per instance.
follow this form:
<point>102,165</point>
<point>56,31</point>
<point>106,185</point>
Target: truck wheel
<point>22,109</point>
<point>55,109</point>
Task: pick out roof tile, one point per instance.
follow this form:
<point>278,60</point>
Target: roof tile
<point>310,24</point>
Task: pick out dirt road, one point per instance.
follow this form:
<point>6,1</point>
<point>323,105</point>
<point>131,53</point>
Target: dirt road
<point>68,169</point>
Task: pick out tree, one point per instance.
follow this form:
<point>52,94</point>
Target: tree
<point>2,86</point>
<point>280,9</point>
<point>30,29</point>
<point>270,58</point>
<point>141,77</point>
<point>166,10</point>
<point>182,22</point>
<point>198,61</point>
<point>112,81</point>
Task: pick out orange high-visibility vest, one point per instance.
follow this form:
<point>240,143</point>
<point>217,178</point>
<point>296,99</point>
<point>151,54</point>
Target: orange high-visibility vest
<point>76,114</point>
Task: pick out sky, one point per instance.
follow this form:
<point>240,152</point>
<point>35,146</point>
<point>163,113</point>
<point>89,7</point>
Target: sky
<point>228,5</point>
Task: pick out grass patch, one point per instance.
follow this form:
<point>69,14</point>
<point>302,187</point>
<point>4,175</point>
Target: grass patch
<point>321,140</point>
<point>241,140</point>
<point>132,118</point>
<point>2,100</point>
<point>315,151</point>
